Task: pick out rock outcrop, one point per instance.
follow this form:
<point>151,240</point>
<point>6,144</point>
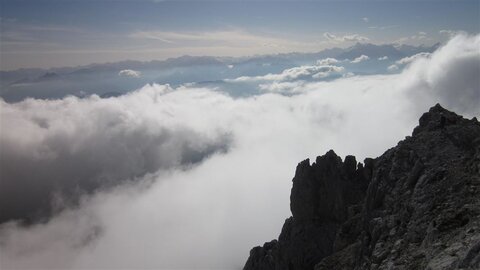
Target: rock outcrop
<point>415,207</point>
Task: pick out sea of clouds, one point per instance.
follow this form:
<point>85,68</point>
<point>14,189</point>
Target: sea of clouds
<point>191,177</point>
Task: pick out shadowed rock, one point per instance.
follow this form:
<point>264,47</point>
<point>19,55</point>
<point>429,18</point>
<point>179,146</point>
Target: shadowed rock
<point>414,207</point>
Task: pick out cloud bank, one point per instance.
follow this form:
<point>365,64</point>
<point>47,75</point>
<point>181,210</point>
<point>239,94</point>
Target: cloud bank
<point>74,146</point>
<point>208,216</point>
<point>322,70</point>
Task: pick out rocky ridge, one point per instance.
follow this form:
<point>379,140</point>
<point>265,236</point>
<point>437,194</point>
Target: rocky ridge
<point>415,207</point>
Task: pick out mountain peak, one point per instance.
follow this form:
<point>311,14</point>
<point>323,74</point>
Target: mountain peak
<point>414,207</point>
<point>437,118</point>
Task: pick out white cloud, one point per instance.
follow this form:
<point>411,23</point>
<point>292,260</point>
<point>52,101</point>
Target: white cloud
<point>129,73</point>
<point>327,72</point>
<point>365,19</point>
<point>283,87</point>
<point>410,59</point>
<point>193,213</point>
<point>450,75</point>
<point>359,59</point>
<point>345,38</point>
<point>301,72</point>
<point>75,145</point>
<point>185,217</point>
<point>383,58</point>
<point>327,61</point>
<point>392,68</point>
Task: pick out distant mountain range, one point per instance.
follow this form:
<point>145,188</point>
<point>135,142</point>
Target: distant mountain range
<point>371,50</point>
<point>104,78</point>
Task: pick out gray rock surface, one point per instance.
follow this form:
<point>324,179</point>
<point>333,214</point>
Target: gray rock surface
<point>415,207</point>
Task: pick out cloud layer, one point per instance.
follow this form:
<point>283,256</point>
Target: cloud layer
<point>73,146</point>
<point>324,68</point>
<point>208,216</point>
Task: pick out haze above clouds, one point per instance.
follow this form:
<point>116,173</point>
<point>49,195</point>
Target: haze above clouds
<point>192,177</point>
<point>85,32</point>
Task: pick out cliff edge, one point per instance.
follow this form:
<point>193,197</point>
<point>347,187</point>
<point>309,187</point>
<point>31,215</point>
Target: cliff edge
<point>415,207</point>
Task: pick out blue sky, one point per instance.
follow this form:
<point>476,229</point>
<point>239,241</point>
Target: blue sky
<point>68,33</point>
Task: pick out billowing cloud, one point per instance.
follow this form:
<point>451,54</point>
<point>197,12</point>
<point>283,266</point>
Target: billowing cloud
<point>184,217</point>
<point>410,59</point>
<point>129,73</point>
<point>327,61</point>
<point>359,59</point>
<point>77,146</point>
<point>301,72</point>
<point>345,38</point>
<point>383,58</point>
<point>450,75</point>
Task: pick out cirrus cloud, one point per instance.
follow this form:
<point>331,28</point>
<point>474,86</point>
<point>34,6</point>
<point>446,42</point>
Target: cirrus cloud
<point>345,38</point>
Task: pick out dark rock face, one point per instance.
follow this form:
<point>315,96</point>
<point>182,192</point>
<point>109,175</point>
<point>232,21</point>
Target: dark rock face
<point>415,207</point>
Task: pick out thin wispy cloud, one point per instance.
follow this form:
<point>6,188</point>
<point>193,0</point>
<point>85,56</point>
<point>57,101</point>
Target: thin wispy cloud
<point>345,38</point>
<point>383,27</point>
<point>231,37</point>
<point>416,39</point>
<point>451,33</point>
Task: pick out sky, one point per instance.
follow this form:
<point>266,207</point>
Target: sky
<point>49,33</point>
